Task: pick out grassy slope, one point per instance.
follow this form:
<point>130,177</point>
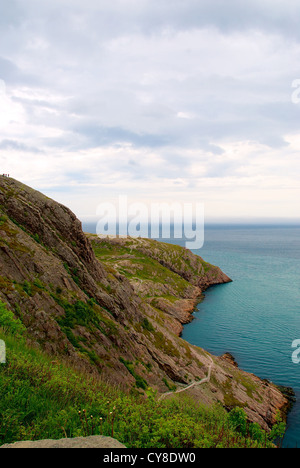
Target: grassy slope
<point>151,279</point>
<point>137,264</point>
<point>41,398</point>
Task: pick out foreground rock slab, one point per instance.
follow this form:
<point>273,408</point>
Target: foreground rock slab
<point>78,442</point>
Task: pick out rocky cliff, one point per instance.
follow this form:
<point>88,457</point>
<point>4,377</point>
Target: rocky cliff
<point>115,307</point>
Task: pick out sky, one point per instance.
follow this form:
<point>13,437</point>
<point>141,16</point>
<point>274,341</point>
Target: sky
<point>186,101</point>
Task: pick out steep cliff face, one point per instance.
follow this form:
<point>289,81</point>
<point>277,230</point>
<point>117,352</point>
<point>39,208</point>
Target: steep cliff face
<point>114,307</point>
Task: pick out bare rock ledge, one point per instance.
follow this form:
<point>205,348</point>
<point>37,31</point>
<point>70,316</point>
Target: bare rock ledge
<point>78,442</point>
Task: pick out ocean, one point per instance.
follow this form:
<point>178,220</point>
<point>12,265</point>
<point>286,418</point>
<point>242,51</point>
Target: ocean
<point>256,317</point>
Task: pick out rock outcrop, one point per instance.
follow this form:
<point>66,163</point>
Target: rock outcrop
<point>97,442</point>
<point>114,308</point>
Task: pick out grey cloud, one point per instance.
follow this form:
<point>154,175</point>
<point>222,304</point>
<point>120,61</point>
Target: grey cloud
<point>233,15</point>
<point>115,18</point>
<point>105,136</point>
<point>13,75</point>
<point>9,71</point>
<point>12,12</point>
<point>126,72</point>
<point>18,146</point>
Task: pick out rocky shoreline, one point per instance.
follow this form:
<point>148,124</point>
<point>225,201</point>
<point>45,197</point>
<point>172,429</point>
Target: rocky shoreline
<point>115,308</point>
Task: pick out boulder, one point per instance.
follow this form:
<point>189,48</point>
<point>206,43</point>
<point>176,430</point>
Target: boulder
<point>78,442</point>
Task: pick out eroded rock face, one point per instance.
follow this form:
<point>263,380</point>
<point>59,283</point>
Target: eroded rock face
<point>114,309</point>
<point>229,358</point>
<point>78,442</point>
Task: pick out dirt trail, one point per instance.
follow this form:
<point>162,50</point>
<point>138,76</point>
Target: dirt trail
<point>194,384</point>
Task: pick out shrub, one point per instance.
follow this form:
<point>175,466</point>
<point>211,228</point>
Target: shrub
<point>238,420</point>
<point>9,323</point>
<point>147,325</point>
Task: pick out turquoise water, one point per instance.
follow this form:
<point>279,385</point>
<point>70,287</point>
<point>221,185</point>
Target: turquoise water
<point>257,316</point>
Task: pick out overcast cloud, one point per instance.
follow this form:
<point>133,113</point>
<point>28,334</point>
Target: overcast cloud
<point>176,100</point>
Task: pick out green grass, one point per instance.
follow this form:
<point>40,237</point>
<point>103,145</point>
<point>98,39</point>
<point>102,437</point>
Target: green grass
<point>140,265</point>
<point>140,382</point>
<point>42,398</point>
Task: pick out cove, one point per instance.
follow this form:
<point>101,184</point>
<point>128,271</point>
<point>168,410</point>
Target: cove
<point>256,317</point>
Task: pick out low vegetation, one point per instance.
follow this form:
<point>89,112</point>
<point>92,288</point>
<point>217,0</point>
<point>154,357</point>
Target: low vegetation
<point>42,398</point>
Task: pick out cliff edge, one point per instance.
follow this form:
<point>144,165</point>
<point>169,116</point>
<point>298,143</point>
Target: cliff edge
<point>115,308</point>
